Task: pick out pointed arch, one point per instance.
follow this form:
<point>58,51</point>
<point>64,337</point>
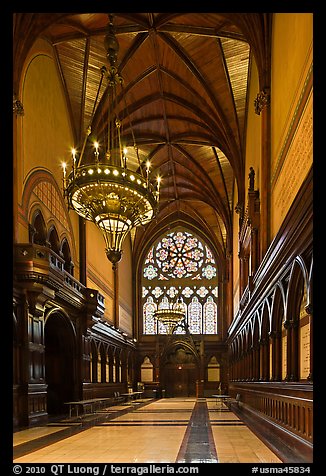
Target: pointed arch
<point>53,239</point>
<point>37,230</point>
<point>298,286</point>
<point>180,264</point>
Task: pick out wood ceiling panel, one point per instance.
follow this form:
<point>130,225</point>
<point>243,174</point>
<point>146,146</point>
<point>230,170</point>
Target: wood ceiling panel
<point>185,77</point>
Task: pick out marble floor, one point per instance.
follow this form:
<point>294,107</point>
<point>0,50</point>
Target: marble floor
<point>169,430</point>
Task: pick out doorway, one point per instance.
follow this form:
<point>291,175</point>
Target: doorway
<point>180,372</point>
<point>59,363</point>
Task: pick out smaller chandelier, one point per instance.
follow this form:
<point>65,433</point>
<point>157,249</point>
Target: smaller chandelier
<point>101,187</point>
<point>171,317</point>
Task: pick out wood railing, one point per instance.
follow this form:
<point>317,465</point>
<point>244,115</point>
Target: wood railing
<point>288,405</point>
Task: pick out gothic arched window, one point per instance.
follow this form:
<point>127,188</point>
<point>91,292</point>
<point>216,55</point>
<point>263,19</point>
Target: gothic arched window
<point>180,265</point>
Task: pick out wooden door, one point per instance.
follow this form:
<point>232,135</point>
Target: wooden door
<point>179,380</point>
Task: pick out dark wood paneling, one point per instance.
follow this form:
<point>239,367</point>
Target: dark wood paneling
<point>282,415</point>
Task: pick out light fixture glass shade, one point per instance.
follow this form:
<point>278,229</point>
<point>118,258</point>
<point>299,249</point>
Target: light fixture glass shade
<point>171,317</point>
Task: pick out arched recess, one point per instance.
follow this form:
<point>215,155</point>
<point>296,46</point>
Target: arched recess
<point>93,361</point>
<point>179,369</point>
<point>66,254</point>
<point>256,346</point>
<point>43,206</point>
<point>37,230</point>
<point>278,334</point>
<point>60,361</point>
<point>265,351</point>
<point>130,368</point>
<point>249,350</point>
<point>111,363</point>
<point>53,239</point>
<point>298,323</point>
<point>101,360</point>
<point>243,354</point>
<point>117,365</point>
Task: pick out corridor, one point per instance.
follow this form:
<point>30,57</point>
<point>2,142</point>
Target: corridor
<point>171,430</point>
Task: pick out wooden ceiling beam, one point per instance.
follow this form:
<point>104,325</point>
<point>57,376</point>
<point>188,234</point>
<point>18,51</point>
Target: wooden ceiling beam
<point>209,32</point>
<point>223,122</point>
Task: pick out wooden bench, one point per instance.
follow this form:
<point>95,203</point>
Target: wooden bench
<point>235,401</point>
<point>118,397</point>
<point>90,405</point>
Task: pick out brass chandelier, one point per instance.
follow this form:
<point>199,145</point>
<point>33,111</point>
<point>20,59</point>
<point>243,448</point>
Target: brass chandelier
<point>172,316</point>
<point>100,187</point>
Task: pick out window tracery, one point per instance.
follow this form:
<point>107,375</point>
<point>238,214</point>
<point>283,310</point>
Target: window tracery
<point>180,265</point>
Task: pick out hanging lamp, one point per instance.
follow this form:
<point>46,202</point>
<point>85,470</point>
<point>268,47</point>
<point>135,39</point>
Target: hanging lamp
<point>100,186</point>
<point>171,316</point>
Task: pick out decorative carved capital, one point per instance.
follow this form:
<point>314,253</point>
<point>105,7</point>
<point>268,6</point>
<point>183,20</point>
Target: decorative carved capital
<point>262,100</point>
<point>239,209</point>
<point>286,324</point>
<point>18,108</point>
<point>294,323</point>
<point>308,309</point>
<point>274,334</point>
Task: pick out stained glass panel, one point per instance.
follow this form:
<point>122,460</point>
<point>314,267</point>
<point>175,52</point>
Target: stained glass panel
<point>194,316</point>
<point>183,259</point>
<point>149,321</point>
<point>210,316</point>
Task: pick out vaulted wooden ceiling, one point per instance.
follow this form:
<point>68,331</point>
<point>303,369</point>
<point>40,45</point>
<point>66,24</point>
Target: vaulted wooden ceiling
<point>186,79</point>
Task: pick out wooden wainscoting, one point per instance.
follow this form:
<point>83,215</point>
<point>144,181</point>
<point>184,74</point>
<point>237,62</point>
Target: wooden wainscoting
<point>281,413</point>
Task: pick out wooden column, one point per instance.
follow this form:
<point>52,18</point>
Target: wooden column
<point>292,350</point>
<point>267,359</point>
<point>249,364</point>
<point>37,388</point>
<point>276,354</point>
<point>157,363</point>
<point>262,107</point>
<point>82,250</point>
<point>289,343</point>
<point>85,370</point>
<point>308,309</point>
<point>201,381</point>
<point>18,112</point>
<point>261,359</point>
<point>257,362</point>
<point>115,268</point>
<point>229,291</point>
<point>294,375</point>
<point>254,256</point>
<point>23,363</point>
